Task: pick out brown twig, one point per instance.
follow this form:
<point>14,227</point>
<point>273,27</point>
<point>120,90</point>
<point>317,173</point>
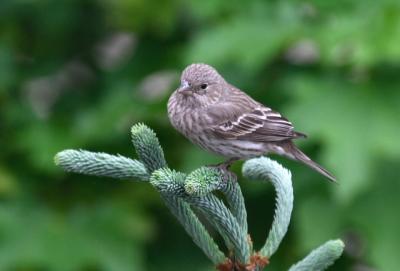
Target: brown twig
<point>257,262</point>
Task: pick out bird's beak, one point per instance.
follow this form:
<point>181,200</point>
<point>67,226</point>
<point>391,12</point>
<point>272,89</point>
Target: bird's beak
<point>184,88</point>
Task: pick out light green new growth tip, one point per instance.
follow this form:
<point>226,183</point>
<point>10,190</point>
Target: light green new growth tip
<point>202,181</point>
<point>320,258</point>
<point>101,164</point>
<point>148,147</point>
<point>183,194</point>
<point>169,181</point>
<point>268,170</point>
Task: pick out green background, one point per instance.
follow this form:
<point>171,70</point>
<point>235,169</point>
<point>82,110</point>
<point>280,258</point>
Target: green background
<point>79,74</point>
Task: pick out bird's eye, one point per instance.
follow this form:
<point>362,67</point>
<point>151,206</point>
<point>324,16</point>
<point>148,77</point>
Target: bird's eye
<point>203,86</point>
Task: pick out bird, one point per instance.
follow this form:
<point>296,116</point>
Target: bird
<point>224,120</point>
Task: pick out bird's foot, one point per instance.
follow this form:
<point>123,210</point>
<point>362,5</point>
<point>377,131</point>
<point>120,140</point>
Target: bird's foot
<point>224,168</point>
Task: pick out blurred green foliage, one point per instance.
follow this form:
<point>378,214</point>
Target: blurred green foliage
<point>78,74</point>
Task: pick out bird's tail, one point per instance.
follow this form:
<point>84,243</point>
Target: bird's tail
<point>294,153</point>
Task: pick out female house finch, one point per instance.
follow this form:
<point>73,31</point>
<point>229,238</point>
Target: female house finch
<point>224,120</point>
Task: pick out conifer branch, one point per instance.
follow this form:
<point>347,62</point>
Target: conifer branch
<point>182,193</point>
<point>173,184</point>
<point>192,225</point>
<point>205,180</point>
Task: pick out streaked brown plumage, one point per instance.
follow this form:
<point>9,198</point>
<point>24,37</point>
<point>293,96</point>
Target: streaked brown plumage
<point>224,120</point>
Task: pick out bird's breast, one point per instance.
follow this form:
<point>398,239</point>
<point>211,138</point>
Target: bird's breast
<point>184,118</point>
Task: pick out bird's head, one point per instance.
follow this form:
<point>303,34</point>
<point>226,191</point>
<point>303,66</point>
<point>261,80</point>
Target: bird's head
<point>201,84</point>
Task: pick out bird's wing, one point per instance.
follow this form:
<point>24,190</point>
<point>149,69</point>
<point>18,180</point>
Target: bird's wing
<point>260,125</point>
<point>242,118</point>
